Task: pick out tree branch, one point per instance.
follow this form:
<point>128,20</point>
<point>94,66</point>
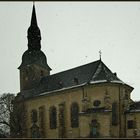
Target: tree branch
<point>4,122</point>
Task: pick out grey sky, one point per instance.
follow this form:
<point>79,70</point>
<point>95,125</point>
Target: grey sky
<point>72,35</point>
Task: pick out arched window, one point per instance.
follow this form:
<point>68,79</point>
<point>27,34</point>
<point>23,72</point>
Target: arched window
<point>42,120</point>
<point>53,119</point>
<point>34,116</point>
<point>114,113</point>
<point>74,115</point>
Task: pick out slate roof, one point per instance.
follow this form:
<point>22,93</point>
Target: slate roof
<point>95,72</point>
<point>92,72</point>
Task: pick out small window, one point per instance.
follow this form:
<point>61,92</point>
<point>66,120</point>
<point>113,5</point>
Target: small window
<point>76,80</point>
<point>96,103</point>
<point>131,124</point>
<point>60,84</point>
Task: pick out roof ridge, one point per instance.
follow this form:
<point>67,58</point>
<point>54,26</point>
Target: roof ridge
<point>100,63</point>
<point>111,72</point>
<point>75,67</point>
<point>108,74</point>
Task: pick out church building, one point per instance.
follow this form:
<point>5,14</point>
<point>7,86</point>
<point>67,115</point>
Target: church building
<point>83,102</point>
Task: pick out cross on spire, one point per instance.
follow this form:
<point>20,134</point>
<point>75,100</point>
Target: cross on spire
<point>100,54</point>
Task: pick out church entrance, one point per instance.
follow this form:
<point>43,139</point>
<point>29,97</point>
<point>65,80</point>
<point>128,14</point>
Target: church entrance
<point>94,126</point>
<point>35,131</point>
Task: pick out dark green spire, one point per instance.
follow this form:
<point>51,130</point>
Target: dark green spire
<point>34,35</point>
<point>34,55</point>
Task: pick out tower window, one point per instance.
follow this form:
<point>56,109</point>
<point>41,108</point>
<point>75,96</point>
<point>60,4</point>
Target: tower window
<point>42,73</point>
<point>27,72</point>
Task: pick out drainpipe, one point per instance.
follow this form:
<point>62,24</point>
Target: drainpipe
<point>119,114</point>
<point>125,124</point>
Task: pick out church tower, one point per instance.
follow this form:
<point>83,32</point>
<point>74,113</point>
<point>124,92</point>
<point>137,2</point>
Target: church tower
<point>34,63</point>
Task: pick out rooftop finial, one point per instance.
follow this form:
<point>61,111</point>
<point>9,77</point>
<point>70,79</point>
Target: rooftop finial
<point>100,54</point>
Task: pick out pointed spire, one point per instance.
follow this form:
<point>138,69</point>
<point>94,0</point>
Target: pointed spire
<point>34,35</point>
<point>33,19</point>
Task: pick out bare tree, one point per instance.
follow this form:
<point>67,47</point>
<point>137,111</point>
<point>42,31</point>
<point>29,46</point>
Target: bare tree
<point>6,108</point>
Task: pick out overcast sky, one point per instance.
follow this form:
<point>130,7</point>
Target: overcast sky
<point>72,35</point>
